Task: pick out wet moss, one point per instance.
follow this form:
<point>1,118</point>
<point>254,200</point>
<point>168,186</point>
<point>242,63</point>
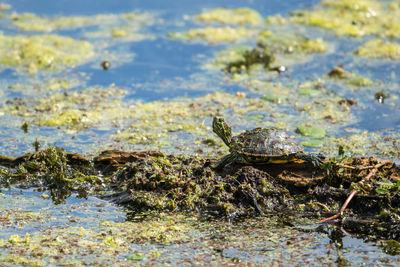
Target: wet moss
<point>51,168</point>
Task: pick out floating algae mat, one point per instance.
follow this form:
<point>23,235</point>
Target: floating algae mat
<point>48,52</point>
<point>106,139</point>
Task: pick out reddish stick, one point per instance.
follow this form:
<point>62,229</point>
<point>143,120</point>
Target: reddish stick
<point>352,194</point>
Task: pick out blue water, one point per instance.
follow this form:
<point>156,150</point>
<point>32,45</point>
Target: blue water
<point>159,62</point>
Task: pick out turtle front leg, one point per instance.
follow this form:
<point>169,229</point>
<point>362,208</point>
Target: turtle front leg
<point>232,157</point>
<point>316,160</point>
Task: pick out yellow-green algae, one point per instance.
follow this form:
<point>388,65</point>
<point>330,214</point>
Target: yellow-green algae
<point>379,49</point>
<point>216,34</point>
<point>155,121</point>
<point>238,16</point>
<point>349,77</point>
<point>33,22</point>
<point>126,33</point>
<point>45,52</point>
<point>288,42</point>
<point>311,130</point>
<point>363,142</point>
<point>18,218</point>
<point>310,99</point>
<point>159,123</point>
<point>68,245</point>
<point>72,109</point>
<point>127,243</point>
<point>49,84</point>
<point>354,17</point>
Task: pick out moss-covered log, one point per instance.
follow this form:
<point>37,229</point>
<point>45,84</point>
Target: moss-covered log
<point>152,181</point>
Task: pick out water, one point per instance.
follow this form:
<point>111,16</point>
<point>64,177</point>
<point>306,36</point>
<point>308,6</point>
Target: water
<point>162,69</point>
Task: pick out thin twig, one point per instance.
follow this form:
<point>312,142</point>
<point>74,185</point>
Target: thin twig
<point>352,194</point>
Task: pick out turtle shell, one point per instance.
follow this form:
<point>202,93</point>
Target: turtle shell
<point>265,142</point>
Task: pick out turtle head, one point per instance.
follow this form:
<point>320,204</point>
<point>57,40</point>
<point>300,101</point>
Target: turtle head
<point>223,130</point>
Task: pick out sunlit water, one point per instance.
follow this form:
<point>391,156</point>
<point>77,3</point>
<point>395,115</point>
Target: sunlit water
<point>156,62</point>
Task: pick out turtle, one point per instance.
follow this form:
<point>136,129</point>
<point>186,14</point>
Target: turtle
<point>260,145</point>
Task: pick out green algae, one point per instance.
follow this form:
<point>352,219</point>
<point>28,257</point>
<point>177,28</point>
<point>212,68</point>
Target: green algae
<point>354,18</point>
<point>169,119</point>
<point>311,130</point>
<point>50,167</point>
<point>47,52</point>
<point>312,143</point>
<point>240,19</point>
<point>360,81</point>
<point>272,97</point>
<point>49,84</point>
<point>363,142</point>
<point>344,17</point>
<point>379,49</point>
<point>215,35</point>
<point>288,42</point>
<point>113,243</point>
<point>308,91</point>
<point>287,47</point>
<point>349,77</point>
<point>238,16</point>
<point>249,58</point>
<point>73,109</point>
<point>33,22</point>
